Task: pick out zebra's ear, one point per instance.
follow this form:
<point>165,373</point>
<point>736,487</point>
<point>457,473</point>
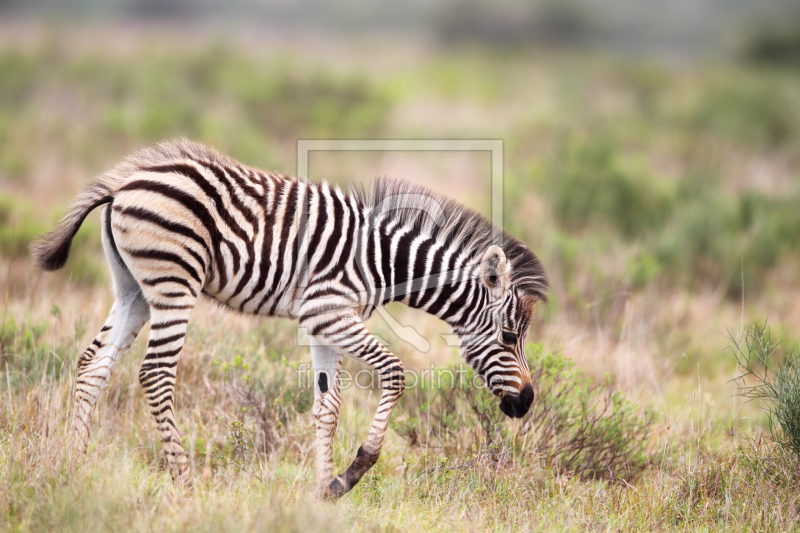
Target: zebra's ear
<point>495,271</point>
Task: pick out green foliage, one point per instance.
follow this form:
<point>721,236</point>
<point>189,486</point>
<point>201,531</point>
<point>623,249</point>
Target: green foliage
<point>581,427</point>
<point>18,226</point>
<point>774,384</point>
<point>575,425</point>
<point>564,23</point>
<point>775,46</point>
<point>694,232</point>
<point>30,354</point>
<point>757,114</point>
<point>320,103</point>
<point>643,268</point>
<point>237,102</point>
<point>589,185</point>
<point>237,439</point>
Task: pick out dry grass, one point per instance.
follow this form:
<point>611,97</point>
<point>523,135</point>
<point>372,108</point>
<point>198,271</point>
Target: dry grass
<point>260,477</point>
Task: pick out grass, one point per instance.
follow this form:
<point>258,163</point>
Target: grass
<point>660,197</point>
<point>472,476</point>
<point>467,478</point>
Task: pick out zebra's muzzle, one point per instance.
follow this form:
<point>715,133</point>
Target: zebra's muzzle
<point>517,405</point>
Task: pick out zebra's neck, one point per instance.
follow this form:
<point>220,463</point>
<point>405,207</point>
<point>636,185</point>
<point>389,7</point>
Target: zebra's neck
<point>434,273</point>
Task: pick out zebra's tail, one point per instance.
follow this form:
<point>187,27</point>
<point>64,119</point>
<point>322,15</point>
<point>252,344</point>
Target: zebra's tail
<point>51,250</point>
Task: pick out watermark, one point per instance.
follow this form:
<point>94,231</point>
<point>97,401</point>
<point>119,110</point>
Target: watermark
<point>459,376</point>
<point>431,207</point>
<point>494,146</point>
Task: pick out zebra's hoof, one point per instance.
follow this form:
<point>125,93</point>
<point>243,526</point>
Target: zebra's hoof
<point>336,490</point>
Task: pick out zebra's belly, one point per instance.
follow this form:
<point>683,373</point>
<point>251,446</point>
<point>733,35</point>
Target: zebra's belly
<point>255,300</point>
<point>293,295</point>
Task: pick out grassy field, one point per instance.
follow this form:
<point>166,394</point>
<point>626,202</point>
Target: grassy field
<point>661,197</point>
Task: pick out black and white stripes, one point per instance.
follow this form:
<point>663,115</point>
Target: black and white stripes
<point>184,220</point>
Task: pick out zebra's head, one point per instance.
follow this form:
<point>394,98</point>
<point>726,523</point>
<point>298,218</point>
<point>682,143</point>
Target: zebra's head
<point>493,340</point>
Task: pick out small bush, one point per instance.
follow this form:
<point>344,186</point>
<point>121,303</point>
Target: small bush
<point>323,104</point>
<point>775,46</point>
<point>575,425</point>
<point>775,384</point>
<point>581,427</point>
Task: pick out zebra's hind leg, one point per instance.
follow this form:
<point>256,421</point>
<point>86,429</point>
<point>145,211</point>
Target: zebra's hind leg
<point>164,249</point>
<point>157,376</point>
<point>348,335</point>
<point>327,400</point>
<point>128,314</point>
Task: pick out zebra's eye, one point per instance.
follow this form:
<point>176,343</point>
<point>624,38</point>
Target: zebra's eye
<point>509,337</point>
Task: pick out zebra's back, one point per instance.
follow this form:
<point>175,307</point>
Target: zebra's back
<point>251,238</point>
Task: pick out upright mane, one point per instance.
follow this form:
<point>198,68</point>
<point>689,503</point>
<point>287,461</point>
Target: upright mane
<point>436,215</point>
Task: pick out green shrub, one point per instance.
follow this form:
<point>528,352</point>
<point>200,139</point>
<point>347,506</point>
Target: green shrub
<point>779,46</point>
<point>582,427</point>
<point>772,381</point>
<point>716,237</point>
<point>285,103</point>
<point>699,240</point>
<point>30,354</point>
<point>577,426</point>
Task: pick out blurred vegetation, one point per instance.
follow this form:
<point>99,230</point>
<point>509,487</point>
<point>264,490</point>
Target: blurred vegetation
<point>239,103</point>
<point>650,180</point>
<point>17,226</point>
<point>695,231</point>
<point>514,23</point>
<point>776,45</point>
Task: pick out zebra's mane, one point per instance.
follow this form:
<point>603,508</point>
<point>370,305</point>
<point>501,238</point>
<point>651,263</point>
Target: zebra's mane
<point>443,218</point>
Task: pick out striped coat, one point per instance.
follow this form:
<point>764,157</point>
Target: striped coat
<point>181,220</point>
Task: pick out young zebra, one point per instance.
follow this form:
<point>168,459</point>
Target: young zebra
<point>181,220</point>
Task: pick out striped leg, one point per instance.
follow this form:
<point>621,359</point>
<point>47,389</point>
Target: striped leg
<point>164,251</point>
<point>157,376</point>
<point>128,315</point>
<point>327,400</point>
<point>348,335</point>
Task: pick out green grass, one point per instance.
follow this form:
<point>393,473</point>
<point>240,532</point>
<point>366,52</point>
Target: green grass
<point>468,470</point>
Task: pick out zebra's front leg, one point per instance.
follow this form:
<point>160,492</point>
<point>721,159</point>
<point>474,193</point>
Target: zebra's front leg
<point>392,385</point>
<point>327,400</point>
<point>349,336</point>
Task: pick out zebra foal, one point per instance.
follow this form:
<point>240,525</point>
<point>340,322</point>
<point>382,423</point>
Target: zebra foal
<point>180,220</point>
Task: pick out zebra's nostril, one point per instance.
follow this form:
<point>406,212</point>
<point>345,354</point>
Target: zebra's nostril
<point>526,398</point>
